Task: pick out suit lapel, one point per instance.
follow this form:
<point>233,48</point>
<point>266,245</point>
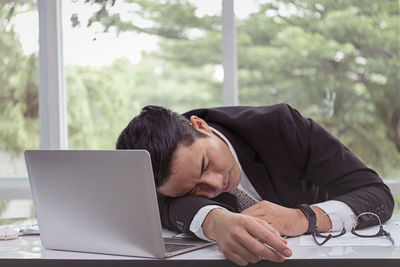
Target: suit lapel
<point>255,170</point>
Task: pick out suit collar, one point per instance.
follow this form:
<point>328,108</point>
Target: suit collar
<point>251,164</point>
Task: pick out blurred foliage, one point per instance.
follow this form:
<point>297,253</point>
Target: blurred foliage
<point>102,101</point>
<point>335,61</point>
<point>396,204</point>
<point>19,127</point>
<point>3,206</point>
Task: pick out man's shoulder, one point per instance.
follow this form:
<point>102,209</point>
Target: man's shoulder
<point>242,112</point>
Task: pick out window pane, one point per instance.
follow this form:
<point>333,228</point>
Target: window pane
<point>335,61</point>
<point>19,105</point>
<point>19,127</point>
<point>120,58</point>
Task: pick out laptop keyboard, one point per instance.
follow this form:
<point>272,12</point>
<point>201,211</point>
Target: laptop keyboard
<point>175,247</point>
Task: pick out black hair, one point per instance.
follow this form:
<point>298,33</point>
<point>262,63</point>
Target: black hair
<point>159,131</point>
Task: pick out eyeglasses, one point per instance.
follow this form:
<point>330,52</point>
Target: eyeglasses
<point>381,231</point>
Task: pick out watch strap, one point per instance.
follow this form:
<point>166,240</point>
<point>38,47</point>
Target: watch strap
<point>311,216</point>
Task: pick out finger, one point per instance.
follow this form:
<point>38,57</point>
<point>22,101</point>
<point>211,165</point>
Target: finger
<point>230,251</point>
<point>260,250</point>
<point>268,235</point>
<point>274,256</point>
<point>259,212</point>
<point>271,226</point>
<point>236,258</point>
<point>244,248</point>
<point>255,212</point>
<point>255,209</point>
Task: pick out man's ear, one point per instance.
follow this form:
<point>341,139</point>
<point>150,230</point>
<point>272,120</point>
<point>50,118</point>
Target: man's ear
<point>200,124</point>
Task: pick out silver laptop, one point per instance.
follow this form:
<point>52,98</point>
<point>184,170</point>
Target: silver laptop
<point>100,201</point>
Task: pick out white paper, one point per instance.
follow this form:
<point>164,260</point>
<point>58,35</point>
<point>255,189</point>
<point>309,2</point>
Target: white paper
<point>349,239</point>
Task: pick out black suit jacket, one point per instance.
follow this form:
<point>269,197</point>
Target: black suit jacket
<point>289,160</point>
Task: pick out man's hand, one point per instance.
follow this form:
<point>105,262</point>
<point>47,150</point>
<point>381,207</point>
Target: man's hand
<point>290,222</point>
<point>243,239</point>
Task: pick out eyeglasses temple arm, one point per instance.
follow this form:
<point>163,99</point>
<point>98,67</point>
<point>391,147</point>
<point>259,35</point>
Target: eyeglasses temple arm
<point>390,237</point>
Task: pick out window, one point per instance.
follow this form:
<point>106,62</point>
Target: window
<point>119,58</point>
<point>19,128</point>
<point>19,108</point>
<point>335,61</point>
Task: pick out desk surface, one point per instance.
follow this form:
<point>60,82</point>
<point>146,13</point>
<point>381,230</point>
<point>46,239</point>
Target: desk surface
<point>27,251</point>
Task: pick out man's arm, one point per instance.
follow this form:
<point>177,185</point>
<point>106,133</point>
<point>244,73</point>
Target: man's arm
<point>328,164</point>
<point>177,213</point>
<point>339,213</point>
<point>241,238</point>
<point>332,167</point>
<point>288,221</point>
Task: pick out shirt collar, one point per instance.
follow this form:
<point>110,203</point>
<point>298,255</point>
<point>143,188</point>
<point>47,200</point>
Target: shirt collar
<point>229,145</point>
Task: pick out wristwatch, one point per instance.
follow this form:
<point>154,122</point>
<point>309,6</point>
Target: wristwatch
<point>312,218</point>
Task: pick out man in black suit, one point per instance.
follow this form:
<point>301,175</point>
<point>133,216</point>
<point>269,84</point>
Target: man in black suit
<point>283,162</point>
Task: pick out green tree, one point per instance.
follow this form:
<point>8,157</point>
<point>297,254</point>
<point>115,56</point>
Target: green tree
<point>19,123</point>
<point>336,61</point>
<point>19,127</point>
<point>102,101</point>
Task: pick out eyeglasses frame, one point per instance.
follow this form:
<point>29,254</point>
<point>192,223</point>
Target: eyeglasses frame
<point>327,237</point>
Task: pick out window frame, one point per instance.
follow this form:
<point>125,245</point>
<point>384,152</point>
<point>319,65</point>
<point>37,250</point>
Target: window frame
<point>52,94</point>
<point>52,100</point>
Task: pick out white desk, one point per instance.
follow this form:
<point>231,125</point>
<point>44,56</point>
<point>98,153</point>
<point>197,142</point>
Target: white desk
<point>27,251</point>
<point>24,250</point>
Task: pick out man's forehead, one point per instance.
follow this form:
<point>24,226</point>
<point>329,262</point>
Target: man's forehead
<point>185,155</point>
<point>185,167</point>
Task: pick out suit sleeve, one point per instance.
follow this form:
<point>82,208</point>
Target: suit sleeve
<point>328,164</point>
<point>177,213</point>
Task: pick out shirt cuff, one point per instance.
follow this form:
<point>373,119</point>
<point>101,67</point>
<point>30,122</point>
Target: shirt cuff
<point>198,219</point>
<point>339,213</point>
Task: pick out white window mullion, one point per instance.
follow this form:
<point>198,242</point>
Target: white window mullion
<point>229,56</point>
<point>52,106</point>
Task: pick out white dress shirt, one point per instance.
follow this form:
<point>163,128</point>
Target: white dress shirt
<point>336,210</point>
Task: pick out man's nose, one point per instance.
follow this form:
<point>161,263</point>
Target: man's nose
<point>214,182</point>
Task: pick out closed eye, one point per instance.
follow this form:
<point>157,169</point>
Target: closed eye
<point>193,190</point>
<point>208,165</point>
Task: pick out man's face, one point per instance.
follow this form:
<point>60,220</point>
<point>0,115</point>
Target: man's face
<point>206,167</point>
